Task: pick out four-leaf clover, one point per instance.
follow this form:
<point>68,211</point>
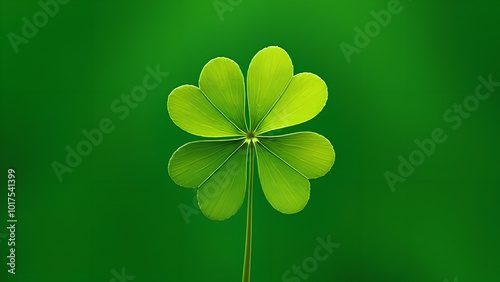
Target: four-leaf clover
<point>274,99</point>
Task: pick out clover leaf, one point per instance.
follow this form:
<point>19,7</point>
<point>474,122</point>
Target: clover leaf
<point>221,169</point>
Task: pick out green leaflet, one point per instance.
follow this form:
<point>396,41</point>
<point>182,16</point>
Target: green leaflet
<point>302,100</point>
<point>285,189</point>
<point>195,162</point>
<point>268,75</point>
<point>221,81</point>
<point>222,195</point>
<point>286,162</point>
<point>307,152</point>
<point>190,110</point>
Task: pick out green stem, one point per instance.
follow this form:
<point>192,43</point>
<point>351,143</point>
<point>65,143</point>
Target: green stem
<point>248,243</point>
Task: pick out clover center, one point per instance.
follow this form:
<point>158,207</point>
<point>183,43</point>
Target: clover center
<point>250,135</point>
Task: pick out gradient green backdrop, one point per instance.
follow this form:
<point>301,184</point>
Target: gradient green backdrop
<point>119,208</point>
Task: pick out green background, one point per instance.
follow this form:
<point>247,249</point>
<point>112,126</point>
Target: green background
<point>119,208</point>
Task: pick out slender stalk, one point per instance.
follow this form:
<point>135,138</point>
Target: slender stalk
<point>248,242</point>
